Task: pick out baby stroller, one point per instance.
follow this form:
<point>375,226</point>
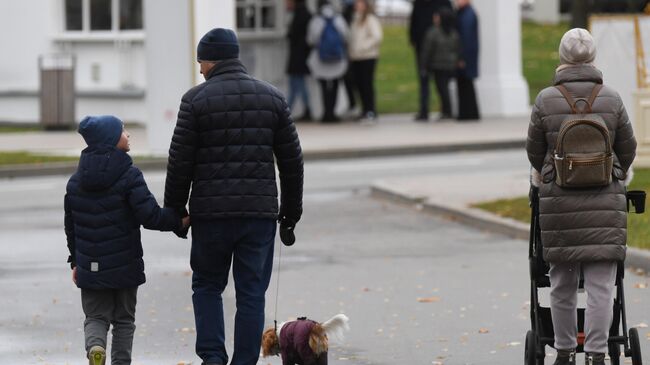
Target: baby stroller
<point>541,332</point>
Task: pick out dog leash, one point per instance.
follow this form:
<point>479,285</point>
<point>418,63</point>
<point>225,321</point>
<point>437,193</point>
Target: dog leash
<point>277,290</point>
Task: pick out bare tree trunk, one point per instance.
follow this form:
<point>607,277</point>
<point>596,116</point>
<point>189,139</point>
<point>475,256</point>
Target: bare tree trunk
<point>580,13</point>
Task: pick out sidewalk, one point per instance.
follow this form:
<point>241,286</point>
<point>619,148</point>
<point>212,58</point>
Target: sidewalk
<point>435,194</point>
<point>394,134</point>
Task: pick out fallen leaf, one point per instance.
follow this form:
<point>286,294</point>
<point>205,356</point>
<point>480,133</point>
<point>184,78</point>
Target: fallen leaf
<point>514,343</point>
<point>428,300</point>
<point>641,285</point>
<point>642,325</point>
<point>483,330</point>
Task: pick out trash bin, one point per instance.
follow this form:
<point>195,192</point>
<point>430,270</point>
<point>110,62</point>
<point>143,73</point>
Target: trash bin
<point>57,91</point>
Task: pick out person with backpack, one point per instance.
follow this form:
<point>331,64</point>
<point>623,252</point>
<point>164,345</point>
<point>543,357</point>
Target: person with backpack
<point>581,146</point>
<point>328,61</point>
<point>440,56</point>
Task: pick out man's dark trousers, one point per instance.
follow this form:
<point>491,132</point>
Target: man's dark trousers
<point>248,244</point>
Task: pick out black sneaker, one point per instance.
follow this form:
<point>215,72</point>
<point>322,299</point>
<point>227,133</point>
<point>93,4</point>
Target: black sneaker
<point>565,357</point>
<point>594,358</point>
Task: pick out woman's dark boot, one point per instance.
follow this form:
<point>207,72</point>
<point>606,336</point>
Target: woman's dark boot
<point>594,358</point>
<point>565,357</point>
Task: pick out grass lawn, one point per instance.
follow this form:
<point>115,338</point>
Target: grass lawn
<point>19,128</point>
<point>638,224</point>
<point>396,81</point>
<point>539,48</point>
<point>397,86</point>
<point>20,158</point>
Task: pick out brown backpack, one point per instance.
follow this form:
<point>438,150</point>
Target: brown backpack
<point>583,155</point>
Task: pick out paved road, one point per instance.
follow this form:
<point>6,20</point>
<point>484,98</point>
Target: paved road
<point>366,258</point>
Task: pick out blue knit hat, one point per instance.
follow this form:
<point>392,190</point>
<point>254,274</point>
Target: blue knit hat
<point>218,44</point>
<point>101,129</point>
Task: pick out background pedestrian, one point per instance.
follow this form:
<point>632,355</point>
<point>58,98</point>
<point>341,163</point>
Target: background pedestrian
<point>440,56</point>
<point>298,52</point>
<point>328,61</point>
<point>420,21</point>
<point>365,39</point>
<point>467,23</point>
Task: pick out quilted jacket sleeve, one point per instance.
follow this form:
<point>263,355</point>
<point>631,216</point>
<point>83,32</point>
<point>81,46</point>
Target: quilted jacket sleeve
<point>286,147</point>
<point>624,143</point>
<point>180,165</point>
<point>68,224</point>
<point>146,208</point>
<point>536,145</point>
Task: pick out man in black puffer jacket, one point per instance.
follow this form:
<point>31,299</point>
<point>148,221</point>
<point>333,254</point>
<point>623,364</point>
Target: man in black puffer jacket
<point>231,130</point>
<point>106,202</point>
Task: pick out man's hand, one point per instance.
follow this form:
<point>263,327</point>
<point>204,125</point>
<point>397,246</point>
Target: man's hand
<point>287,227</point>
<point>186,222</point>
<point>74,275</point>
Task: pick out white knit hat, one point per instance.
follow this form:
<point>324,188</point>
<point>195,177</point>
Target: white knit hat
<point>577,46</point>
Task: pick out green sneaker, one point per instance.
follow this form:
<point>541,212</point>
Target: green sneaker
<point>97,356</point>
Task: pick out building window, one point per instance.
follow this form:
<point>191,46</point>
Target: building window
<point>103,15</point>
<point>130,14</point>
<point>100,15</point>
<point>258,15</point>
<point>73,15</point>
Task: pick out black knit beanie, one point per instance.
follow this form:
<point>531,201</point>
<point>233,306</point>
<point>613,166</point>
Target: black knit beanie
<point>218,44</point>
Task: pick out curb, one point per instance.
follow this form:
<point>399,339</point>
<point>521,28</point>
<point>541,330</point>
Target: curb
<point>477,218</point>
<point>67,168</point>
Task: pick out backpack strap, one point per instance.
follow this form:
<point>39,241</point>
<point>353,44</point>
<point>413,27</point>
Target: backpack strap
<point>573,103</point>
<point>568,98</point>
<point>594,94</point>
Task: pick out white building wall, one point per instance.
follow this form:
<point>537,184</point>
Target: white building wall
<point>26,26</point>
<point>110,72</point>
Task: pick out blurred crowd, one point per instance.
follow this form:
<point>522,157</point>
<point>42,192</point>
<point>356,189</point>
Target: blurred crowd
<point>343,46</point>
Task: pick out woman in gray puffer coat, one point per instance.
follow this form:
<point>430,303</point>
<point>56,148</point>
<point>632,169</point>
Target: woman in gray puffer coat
<point>581,228</point>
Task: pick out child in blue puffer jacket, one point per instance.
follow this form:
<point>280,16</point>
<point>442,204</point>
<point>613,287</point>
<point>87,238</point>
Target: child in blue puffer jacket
<point>106,202</point>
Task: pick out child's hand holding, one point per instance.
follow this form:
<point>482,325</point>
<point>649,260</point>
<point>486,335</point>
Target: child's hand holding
<point>186,222</point>
<point>74,275</point>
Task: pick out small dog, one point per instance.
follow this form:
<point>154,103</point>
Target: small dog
<point>303,341</point>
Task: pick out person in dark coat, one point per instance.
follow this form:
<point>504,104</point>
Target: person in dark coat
<point>298,52</point>
<point>440,54</point>
<point>467,23</point>
<point>106,202</point>
<point>231,131</point>
<point>420,21</point>
<point>583,230</point>
<point>349,78</point>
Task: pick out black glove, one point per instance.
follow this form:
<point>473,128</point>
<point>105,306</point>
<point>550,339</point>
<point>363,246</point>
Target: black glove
<point>286,231</point>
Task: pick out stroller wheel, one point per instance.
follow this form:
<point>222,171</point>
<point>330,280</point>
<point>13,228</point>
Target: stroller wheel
<point>530,351</point>
<point>635,347</point>
<point>614,354</point>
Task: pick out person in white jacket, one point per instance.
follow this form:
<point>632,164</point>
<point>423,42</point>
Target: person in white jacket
<point>365,39</point>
